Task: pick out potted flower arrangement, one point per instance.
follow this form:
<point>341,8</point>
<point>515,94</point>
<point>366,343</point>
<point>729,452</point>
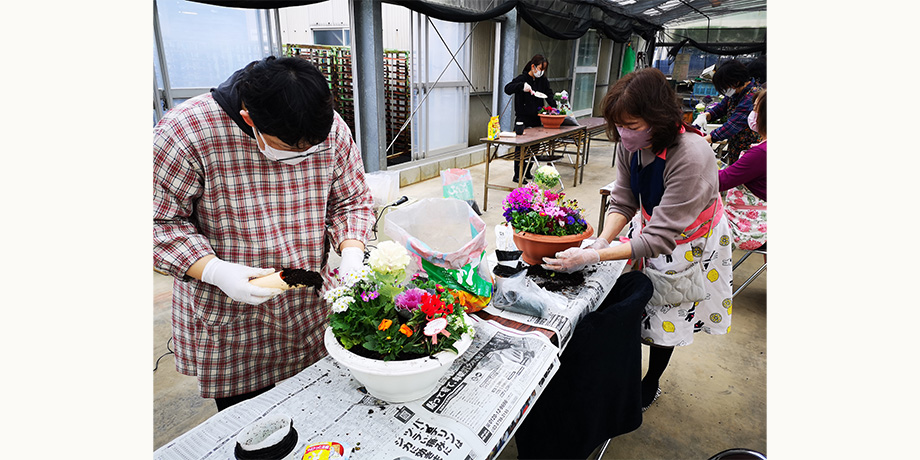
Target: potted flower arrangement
<point>552,117</point>
<point>397,338</point>
<point>544,222</point>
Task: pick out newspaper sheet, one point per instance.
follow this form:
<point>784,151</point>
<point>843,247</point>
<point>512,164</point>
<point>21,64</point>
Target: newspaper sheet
<point>470,415</point>
<point>599,280</point>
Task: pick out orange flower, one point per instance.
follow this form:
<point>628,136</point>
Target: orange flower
<point>406,330</point>
<point>384,325</point>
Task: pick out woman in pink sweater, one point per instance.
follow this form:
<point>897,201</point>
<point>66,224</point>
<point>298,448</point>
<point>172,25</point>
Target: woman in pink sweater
<point>751,168</point>
<point>667,191</point>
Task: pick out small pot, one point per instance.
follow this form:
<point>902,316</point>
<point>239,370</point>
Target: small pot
<point>551,121</point>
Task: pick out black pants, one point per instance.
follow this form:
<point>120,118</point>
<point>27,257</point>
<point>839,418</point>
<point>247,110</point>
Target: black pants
<point>517,165</point>
<point>223,403</point>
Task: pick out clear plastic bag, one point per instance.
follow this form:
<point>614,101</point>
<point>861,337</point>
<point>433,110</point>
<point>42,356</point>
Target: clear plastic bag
<point>520,294</point>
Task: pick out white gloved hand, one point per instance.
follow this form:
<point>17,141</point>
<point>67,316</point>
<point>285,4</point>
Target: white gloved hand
<point>571,260</point>
<point>352,261</point>
<point>527,87</point>
<point>233,279</point>
<point>701,120</point>
<point>599,243</point>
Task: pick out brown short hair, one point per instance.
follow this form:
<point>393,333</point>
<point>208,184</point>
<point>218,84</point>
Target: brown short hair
<point>644,94</point>
<point>760,106</point>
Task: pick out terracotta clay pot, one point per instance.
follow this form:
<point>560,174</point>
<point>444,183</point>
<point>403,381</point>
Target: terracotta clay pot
<point>535,247</point>
<point>551,121</point>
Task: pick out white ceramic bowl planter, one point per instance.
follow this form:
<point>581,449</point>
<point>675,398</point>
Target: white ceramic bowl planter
<point>396,381</point>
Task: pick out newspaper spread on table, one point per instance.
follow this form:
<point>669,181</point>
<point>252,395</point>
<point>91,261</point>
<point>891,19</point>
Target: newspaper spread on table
<point>470,415</point>
<point>599,280</point>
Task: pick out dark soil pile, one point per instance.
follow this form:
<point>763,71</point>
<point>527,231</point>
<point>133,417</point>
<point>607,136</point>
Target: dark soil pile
<point>554,281</point>
<point>297,277</point>
<point>361,351</point>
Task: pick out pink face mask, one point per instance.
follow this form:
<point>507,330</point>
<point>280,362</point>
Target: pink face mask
<point>633,139</point>
<point>752,121</point>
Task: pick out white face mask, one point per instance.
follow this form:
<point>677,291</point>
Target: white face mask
<point>729,92</point>
<point>290,158</point>
<point>537,73</point>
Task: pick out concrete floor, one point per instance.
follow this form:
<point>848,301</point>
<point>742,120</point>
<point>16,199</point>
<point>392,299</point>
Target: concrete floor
<point>713,393</point>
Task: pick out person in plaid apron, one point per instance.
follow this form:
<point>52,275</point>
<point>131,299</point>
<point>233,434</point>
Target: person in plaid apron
<point>257,175</point>
<point>667,166</point>
<point>733,80</point>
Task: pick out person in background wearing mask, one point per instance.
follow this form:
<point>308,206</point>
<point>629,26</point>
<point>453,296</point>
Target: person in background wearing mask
<point>259,174</point>
<point>666,172</point>
<point>735,83</point>
<point>751,168</point>
<point>526,105</point>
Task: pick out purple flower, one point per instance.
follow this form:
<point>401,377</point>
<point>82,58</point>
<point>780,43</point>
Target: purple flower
<point>367,296</point>
<point>409,299</point>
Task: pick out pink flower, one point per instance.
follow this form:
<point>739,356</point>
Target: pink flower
<point>753,214</point>
<point>762,227</point>
<point>435,327</point>
<point>744,226</point>
<point>409,299</point>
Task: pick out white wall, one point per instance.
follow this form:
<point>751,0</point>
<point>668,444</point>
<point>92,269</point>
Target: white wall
<point>297,23</point>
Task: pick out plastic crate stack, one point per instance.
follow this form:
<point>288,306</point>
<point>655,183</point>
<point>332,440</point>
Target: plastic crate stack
<point>335,64</point>
<point>342,87</point>
<point>398,102</point>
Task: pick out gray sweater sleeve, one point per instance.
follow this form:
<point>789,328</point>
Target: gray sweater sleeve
<point>691,180</point>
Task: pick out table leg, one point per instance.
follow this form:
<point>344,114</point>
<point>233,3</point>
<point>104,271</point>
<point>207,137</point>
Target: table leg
<point>587,152</point>
<point>522,153</point>
<point>580,153</point>
<point>485,192</point>
<point>603,213</point>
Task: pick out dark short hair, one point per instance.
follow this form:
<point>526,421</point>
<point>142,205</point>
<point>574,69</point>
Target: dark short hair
<point>757,69</point>
<point>644,94</point>
<point>760,106</point>
<point>536,60</point>
<point>730,74</point>
<point>288,98</point>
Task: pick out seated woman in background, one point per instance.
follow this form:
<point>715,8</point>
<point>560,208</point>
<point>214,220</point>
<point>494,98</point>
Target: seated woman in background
<point>751,167</point>
<point>745,184</point>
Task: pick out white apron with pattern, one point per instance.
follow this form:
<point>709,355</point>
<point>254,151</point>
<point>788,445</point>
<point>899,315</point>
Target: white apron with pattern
<point>674,325</point>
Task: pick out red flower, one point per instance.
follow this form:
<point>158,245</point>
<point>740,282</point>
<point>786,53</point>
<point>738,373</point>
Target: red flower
<point>433,306</point>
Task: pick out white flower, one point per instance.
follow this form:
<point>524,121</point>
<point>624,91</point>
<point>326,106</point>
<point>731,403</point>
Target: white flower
<point>333,294</point>
<point>389,257</point>
<point>359,275</point>
<point>342,303</point>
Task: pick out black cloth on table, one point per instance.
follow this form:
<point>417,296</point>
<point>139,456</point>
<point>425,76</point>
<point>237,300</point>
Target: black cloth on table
<point>596,393</point>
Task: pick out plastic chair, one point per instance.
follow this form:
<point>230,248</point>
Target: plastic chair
<point>738,454</point>
<point>761,250</point>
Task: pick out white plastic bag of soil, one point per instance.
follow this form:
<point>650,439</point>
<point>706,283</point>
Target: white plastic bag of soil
<point>445,238</point>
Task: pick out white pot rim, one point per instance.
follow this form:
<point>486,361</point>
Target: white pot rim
<point>379,367</point>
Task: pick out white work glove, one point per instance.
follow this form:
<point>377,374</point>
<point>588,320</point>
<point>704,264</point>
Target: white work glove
<point>701,121</point>
<point>352,261</point>
<point>527,88</point>
<point>233,279</point>
<point>599,243</point>
<point>571,260</point>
